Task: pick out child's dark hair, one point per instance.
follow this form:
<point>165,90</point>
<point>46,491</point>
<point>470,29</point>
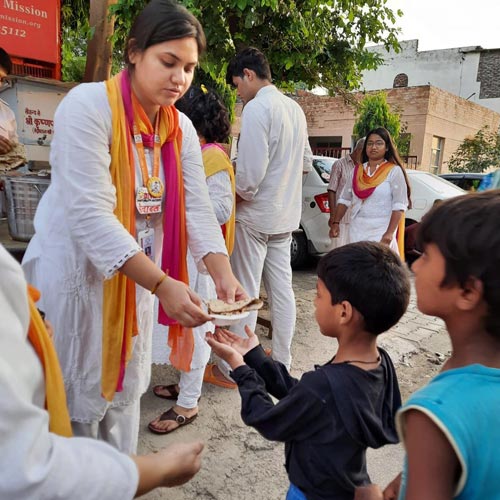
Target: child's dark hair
<point>466,231</point>
<point>372,278</point>
<point>5,61</point>
<point>207,112</point>
<point>161,21</point>
<point>249,58</point>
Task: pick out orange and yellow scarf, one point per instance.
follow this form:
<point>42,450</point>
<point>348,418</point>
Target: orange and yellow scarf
<point>119,308</point>
<point>55,395</point>
<point>363,186</point>
<point>216,160</point>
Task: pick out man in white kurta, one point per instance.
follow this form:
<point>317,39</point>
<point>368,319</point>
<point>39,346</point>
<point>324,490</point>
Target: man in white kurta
<point>271,151</point>
<point>79,242</point>
<point>34,463</point>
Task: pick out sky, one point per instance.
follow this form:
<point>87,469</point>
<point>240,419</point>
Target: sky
<point>445,24</point>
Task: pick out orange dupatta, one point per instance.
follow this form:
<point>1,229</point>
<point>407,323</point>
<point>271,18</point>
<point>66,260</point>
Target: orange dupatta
<point>119,307</point>
<point>55,394</point>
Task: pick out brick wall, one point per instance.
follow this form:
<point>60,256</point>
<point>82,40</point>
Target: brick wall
<point>428,111</point>
<point>488,73</point>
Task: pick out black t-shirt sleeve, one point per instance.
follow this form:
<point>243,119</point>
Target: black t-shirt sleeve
<point>295,417</point>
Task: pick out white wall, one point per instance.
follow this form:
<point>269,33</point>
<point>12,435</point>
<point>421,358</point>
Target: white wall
<point>454,70</point>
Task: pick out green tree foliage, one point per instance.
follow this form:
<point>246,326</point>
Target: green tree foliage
<point>317,43</point>
<point>320,43</point>
<point>478,153</point>
<point>374,112</point>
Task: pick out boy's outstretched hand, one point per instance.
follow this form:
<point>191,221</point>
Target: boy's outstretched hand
<point>231,347</point>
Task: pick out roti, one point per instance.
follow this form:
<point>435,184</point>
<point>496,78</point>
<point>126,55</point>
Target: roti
<point>218,306</point>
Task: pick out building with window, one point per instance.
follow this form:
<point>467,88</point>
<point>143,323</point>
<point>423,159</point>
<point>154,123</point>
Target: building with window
<point>438,121</point>
<point>468,72</point>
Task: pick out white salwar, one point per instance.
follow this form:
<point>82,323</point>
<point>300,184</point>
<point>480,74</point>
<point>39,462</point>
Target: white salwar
<point>221,196</point>
<point>370,217</point>
<point>79,242</point>
<point>36,464</point>
<point>270,162</point>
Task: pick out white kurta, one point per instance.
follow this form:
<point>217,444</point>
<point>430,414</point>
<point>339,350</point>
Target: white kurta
<point>271,157</point>
<point>370,217</point>
<point>34,463</point>
<point>79,242</point>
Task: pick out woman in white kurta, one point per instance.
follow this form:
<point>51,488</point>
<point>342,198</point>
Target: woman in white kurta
<point>80,242</point>
<point>211,121</point>
<point>378,194</point>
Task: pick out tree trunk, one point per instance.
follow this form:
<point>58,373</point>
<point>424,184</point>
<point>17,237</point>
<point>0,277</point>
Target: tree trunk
<point>99,50</point>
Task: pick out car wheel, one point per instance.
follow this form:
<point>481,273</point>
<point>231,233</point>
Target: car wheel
<point>298,249</point>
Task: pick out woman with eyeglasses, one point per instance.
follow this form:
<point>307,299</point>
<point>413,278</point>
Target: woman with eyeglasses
<point>379,194</point>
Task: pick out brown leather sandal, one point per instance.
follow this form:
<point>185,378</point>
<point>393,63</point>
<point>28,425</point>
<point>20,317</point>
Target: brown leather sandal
<point>172,389</point>
<point>175,417</point>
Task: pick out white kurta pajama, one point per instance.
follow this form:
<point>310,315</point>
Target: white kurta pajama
<point>340,175</point>
<point>370,217</point>
<point>79,242</point>
<point>34,463</point>
<point>271,152</point>
<point>221,196</point>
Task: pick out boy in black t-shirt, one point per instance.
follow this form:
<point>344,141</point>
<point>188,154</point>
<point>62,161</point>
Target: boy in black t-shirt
<point>329,417</point>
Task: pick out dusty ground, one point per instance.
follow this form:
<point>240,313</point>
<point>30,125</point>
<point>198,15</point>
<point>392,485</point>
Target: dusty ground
<point>238,463</point>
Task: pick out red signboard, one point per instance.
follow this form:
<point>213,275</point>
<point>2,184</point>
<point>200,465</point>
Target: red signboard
<point>30,29</point>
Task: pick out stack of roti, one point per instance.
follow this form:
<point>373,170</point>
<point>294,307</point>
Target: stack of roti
<point>218,306</point>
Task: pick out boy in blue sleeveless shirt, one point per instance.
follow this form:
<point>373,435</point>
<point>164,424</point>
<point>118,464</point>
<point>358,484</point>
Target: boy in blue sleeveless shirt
<point>451,428</point>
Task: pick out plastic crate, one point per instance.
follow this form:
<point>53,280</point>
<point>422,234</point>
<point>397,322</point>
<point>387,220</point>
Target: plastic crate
<point>23,193</point>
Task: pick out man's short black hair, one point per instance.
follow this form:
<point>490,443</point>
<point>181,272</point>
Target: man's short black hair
<point>5,61</point>
<point>372,278</point>
<point>249,58</point>
<point>466,230</point>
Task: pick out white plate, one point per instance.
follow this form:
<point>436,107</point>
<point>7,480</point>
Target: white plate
<point>228,319</point>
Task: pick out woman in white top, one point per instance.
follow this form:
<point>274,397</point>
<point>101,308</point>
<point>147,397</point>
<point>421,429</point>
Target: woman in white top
<point>378,192</point>
<point>128,193</point>
<point>211,121</point>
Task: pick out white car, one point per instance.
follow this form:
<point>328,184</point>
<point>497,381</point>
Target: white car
<point>312,236</point>
<point>426,188</point>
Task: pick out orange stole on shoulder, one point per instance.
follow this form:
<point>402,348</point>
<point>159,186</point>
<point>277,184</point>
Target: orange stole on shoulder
<point>55,394</point>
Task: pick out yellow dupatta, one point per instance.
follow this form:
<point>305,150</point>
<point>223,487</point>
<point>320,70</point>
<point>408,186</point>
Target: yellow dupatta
<point>119,307</point>
<point>215,160</point>
<point>55,394</point>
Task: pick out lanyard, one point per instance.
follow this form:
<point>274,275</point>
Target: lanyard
<point>153,183</point>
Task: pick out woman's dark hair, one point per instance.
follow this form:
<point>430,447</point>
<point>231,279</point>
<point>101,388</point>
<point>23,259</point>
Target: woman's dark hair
<point>249,58</point>
<point>466,231</point>
<point>372,278</point>
<point>207,112</point>
<point>5,61</point>
<point>391,154</point>
<point>161,21</point>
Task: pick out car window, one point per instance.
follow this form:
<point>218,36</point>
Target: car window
<point>436,183</point>
<point>324,167</point>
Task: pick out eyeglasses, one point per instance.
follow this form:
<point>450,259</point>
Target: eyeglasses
<point>377,144</point>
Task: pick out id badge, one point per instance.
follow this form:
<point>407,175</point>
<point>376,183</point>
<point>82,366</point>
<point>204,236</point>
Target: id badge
<point>146,240</point>
<point>145,203</point>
